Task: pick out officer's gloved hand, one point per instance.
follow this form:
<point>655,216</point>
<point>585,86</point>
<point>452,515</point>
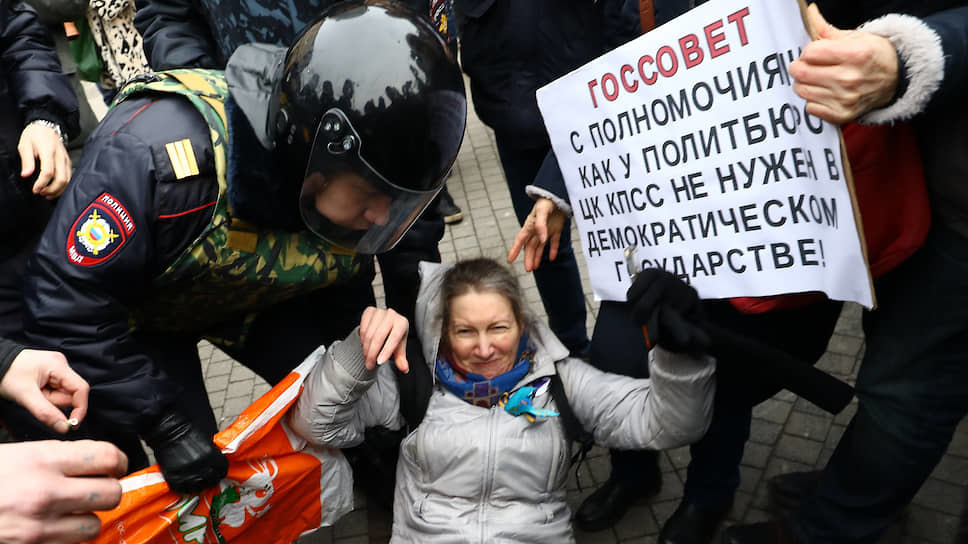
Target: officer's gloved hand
<point>670,310</point>
<point>188,458</point>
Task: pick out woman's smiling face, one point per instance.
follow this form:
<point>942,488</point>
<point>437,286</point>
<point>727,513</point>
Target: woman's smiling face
<point>483,333</point>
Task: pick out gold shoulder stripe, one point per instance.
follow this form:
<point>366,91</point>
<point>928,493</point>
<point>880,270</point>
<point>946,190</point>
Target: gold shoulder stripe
<point>182,158</point>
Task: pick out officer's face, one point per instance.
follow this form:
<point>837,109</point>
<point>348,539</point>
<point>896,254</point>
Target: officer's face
<point>349,201</point>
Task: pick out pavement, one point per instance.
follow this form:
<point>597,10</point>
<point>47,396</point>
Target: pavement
<point>788,433</point>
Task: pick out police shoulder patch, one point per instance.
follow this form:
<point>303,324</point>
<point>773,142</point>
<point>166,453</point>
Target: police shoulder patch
<point>99,231</point>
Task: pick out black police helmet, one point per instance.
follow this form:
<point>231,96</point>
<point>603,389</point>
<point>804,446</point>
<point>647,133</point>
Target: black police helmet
<point>370,101</point>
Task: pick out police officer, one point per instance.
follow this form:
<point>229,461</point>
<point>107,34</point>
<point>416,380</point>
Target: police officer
<point>216,205</point>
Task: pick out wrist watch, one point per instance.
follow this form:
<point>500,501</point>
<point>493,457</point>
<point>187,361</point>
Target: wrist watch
<point>53,126</point>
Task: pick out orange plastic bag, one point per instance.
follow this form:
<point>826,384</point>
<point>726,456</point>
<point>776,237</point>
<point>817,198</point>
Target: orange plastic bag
<point>277,487</point>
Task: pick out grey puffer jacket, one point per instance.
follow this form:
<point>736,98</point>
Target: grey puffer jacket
<point>472,474</point>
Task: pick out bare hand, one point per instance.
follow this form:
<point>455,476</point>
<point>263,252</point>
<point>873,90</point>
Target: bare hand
<point>41,382</point>
<point>844,73</point>
<point>52,488</point>
<point>544,224</point>
<point>384,336</point>
<point>38,142</point>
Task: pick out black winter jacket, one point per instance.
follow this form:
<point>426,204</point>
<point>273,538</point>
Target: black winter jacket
<point>82,310</point>
<point>32,86</point>
<point>510,48</point>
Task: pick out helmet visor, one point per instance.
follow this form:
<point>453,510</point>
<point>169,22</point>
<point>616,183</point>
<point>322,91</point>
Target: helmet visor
<point>347,201</point>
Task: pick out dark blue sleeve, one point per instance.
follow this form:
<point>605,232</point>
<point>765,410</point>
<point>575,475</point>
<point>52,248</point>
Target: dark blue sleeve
<point>621,22</point>
<point>176,35</point>
<point>8,352</point>
<point>94,260</point>
<point>549,177</point>
<point>952,27</point>
<point>29,62</point>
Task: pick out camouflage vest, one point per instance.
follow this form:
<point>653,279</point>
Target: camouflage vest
<point>233,268</point>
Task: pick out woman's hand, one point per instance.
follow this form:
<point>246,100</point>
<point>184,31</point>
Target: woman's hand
<point>384,336</point>
<point>544,224</point>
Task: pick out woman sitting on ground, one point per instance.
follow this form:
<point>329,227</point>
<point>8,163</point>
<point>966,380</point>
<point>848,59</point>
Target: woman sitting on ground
<point>489,461</point>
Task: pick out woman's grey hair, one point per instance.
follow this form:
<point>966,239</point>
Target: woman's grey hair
<point>481,275</point>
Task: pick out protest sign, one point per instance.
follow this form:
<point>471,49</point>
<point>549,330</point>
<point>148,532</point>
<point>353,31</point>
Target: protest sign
<point>690,144</point>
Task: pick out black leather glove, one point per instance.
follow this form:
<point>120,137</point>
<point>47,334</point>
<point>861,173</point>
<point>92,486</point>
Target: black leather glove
<point>670,309</point>
<point>188,458</point>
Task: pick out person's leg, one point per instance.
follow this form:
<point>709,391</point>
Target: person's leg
<point>713,472</point>
<point>558,281</point>
<point>912,391</point>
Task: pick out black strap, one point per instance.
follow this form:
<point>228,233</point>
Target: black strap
<point>573,428</point>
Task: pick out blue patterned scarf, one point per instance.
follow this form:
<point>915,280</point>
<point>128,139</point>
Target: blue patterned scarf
<point>477,389</point>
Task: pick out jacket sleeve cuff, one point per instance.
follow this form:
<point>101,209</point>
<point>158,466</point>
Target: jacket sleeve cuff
<point>672,365</point>
<point>536,192</point>
<point>8,352</point>
<point>348,355</point>
<point>919,50</point>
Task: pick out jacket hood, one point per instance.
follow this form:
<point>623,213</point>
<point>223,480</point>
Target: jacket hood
<point>427,315</point>
<point>251,74</point>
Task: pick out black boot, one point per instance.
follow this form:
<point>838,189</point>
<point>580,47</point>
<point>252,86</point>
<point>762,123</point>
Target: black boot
<point>693,524</point>
<point>608,504</point>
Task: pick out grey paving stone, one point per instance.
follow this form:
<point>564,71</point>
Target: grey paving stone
<point>807,407</point>
<point>741,503</point>
<point>809,426</point>
<point>749,478</point>
<point>931,525</point>
<point>824,457</point>
<point>798,449</point>
<point>233,407</point>
<point>639,521</point>
<point>780,465</point>
<point>837,364</point>
<point>219,368</point>
<point>952,469</point>
<point>217,383</point>
<point>845,345</point>
<point>241,388</point>
<point>679,457</point>
<point>756,455</point>
<point>942,496</point>
<point>671,488</point>
<point>765,432</point>
<point>834,434</point>
<point>773,410</point>
<point>755,515</point>
<point>959,444</point>
<point>662,510</point>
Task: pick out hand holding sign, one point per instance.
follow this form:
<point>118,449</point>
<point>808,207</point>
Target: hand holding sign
<point>844,73</point>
